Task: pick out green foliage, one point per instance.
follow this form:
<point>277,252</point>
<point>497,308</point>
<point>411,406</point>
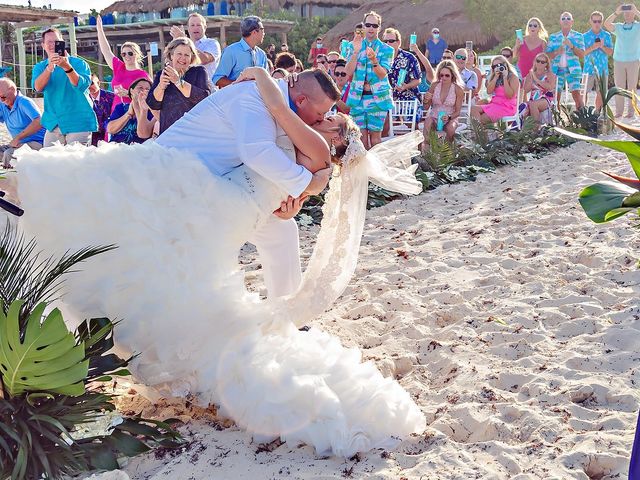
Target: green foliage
<point>303,33</point>
<point>606,201</point>
<point>501,19</point>
<point>50,379</point>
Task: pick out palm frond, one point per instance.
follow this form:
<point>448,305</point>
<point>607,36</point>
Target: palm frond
<point>24,275</point>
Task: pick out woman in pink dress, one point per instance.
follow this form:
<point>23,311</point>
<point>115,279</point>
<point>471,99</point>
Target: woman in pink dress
<point>125,71</point>
<point>445,95</point>
<point>503,83</point>
<point>533,43</point>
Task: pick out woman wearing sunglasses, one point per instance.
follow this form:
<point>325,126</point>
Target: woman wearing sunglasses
<point>503,83</point>
<point>539,85</point>
<point>445,95</point>
<point>532,44</point>
<point>125,71</point>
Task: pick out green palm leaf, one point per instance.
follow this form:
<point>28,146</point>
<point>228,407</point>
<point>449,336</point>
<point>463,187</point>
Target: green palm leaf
<point>46,358</point>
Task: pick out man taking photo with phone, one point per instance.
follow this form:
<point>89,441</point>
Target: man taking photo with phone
<point>64,80</point>
<point>626,53</point>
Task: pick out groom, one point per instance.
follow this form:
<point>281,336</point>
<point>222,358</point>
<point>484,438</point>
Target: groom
<point>233,127</point>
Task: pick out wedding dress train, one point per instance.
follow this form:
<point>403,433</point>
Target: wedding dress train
<point>175,283</point>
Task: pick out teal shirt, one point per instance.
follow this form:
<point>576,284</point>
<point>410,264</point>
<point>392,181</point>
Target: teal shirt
<point>627,48</point>
<point>380,87</point>
<point>66,106</point>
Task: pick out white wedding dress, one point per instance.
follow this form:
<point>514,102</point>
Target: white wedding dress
<point>175,283</point>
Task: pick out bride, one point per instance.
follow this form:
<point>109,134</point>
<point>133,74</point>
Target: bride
<point>176,283</point>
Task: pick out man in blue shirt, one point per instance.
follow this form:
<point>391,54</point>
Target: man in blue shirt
<point>565,49</point>
<point>21,116</point>
<point>68,109</point>
<point>240,55</point>
<point>598,47</point>
<point>435,48</point>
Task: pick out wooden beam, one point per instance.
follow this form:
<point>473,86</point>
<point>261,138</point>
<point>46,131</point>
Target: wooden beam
<point>73,43</point>
<point>161,42</point>
<point>44,23</point>
<point>22,61</point>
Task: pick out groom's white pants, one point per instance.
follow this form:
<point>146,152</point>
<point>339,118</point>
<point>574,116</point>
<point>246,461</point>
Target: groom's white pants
<point>279,251</point>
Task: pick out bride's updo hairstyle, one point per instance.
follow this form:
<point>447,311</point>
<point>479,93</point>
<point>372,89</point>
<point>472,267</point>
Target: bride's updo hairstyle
<point>349,132</point>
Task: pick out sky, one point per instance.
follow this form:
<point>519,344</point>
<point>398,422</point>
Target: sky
<point>82,6</point>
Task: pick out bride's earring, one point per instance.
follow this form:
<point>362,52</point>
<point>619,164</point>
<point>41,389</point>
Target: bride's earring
<point>332,150</point>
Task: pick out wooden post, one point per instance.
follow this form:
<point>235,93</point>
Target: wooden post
<point>223,36</point>
<point>22,60</point>
<point>100,60</point>
<point>150,63</point>
<point>283,37</point>
<point>72,40</point>
<point>161,42</point>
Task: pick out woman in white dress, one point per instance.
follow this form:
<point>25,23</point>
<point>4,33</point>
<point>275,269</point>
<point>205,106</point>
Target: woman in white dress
<point>176,283</point>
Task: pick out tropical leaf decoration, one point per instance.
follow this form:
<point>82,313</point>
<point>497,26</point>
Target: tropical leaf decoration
<point>50,378</point>
<point>606,201</point>
<point>45,358</point>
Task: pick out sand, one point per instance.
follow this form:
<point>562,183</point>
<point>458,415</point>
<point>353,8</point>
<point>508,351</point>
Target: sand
<point>508,315</point>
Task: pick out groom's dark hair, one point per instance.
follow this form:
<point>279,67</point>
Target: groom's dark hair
<point>321,78</point>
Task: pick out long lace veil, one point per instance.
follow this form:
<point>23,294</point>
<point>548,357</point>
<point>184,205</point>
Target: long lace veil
<point>335,255</point>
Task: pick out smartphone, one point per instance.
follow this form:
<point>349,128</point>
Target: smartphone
<point>469,45</point>
<point>597,40</point>
<point>60,47</point>
<point>626,7</point>
<point>519,35</point>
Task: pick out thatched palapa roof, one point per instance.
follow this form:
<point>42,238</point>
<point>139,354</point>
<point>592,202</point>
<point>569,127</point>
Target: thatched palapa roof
<point>418,16</point>
<point>16,13</point>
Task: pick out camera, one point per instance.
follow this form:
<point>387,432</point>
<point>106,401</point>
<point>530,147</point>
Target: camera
<point>501,67</point>
<point>626,7</point>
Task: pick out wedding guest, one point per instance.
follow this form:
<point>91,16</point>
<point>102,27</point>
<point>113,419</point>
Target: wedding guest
<point>21,116</point>
<point>626,53</point>
<point>316,49</point>
<point>370,98</point>
<point>539,88</point>
<point>102,106</point>
<point>532,44</point>
<point>208,49</point>
<point>427,73</point>
<point>299,66</point>
<point>472,64</point>
<point>271,52</point>
<point>64,80</point>
<point>125,71</point>
<point>321,62</point>
<point>507,52</point>
<point>285,61</point>
<point>469,77</point>
<point>240,55</point>
<point>279,73</point>
<point>402,60</point>
<point>332,58</point>
<point>270,66</point>
<point>446,95</point>
<point>341,78</point>
<point>598,47</point>
<point>447,55</point>
<point>566,48</point>
<point>284,47</point>
<point>180,85</point>
<point>435,47</point>
<point>503,84</point>
<point>132,122</point>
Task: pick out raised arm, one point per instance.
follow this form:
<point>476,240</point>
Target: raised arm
<point>431,74</point>
<point>608,23</point>
<point>103,43</point>
<point>306,140</point>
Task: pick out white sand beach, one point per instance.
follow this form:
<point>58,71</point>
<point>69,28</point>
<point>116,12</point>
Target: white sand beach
<point>510,317</point>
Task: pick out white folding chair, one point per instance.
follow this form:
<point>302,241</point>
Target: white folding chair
<point>568,98</point>
<point>402,119</point>
<point>484,63</point>
<point>513,121</point>
<point>465,112</point>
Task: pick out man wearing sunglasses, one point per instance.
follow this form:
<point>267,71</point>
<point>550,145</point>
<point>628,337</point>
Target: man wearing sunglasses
<point>332,59</point>
<point>369,61</point>
<point>598,47</point>
<point>469,77</point>
<point>566,48</point>
<point>342,82</point>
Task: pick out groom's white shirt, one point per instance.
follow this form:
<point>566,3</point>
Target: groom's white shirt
<point>233,126</point>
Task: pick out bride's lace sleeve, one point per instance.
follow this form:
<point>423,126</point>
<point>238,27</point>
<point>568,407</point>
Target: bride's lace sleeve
<point>335,255</point>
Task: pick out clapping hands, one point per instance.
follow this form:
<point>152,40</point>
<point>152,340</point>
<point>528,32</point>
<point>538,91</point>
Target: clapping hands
<point>177,32</point>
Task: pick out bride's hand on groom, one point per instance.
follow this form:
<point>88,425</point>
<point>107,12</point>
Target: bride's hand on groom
<point>291,207</point>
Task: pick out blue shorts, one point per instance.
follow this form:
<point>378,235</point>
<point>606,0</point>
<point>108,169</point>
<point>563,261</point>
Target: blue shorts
<point>367,115</point>
<point>573,79</point>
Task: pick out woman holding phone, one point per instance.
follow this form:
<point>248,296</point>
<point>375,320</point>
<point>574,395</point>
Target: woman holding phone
<point>180,85</point>
<point>530,45</point>
<point>125,71</point>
